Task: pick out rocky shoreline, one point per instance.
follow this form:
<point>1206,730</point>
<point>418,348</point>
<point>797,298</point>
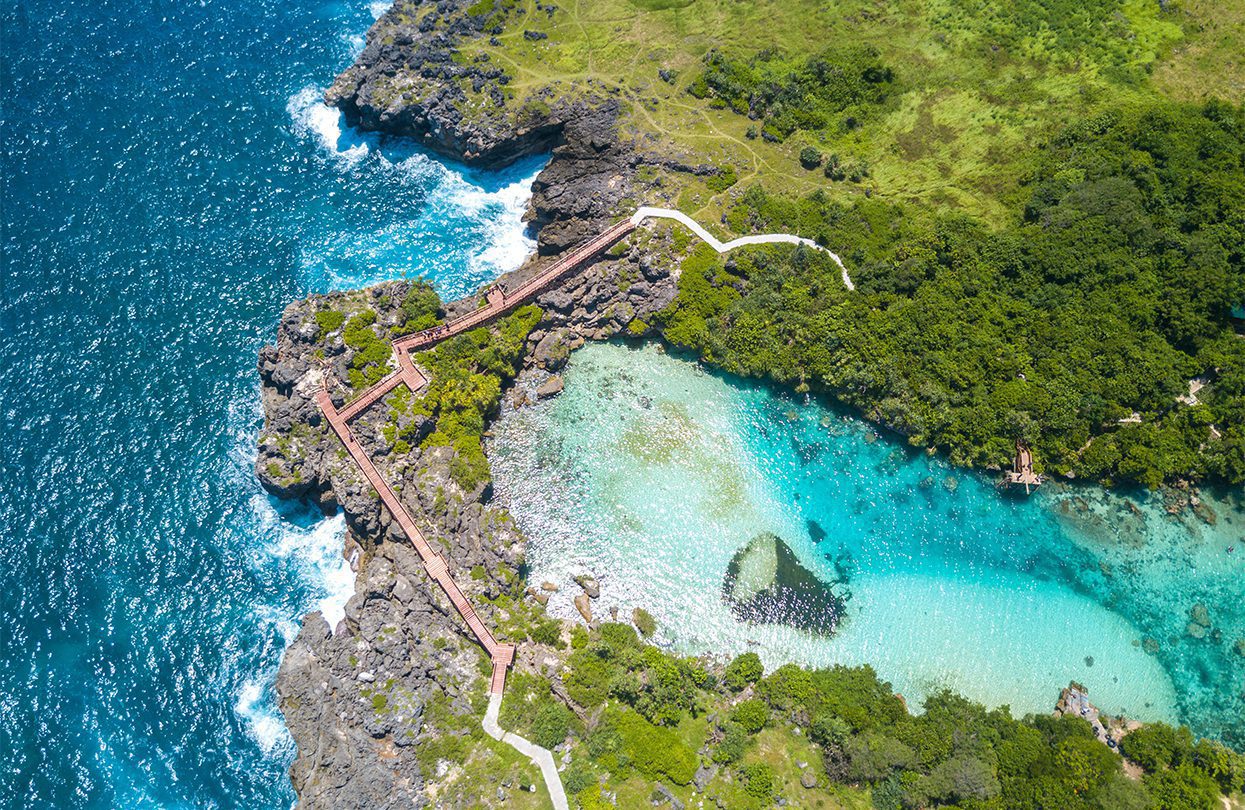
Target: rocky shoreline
<point>360,699</point>
<point>406,83</point>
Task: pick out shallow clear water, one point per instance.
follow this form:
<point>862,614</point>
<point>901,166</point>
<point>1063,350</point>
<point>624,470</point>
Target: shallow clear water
<point>170,183</point>
<point>651,473</point>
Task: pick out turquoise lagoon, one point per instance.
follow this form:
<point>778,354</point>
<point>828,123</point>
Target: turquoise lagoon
<point>651,473</point>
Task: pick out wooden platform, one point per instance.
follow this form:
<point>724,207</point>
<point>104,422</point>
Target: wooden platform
<point>1022,470</point>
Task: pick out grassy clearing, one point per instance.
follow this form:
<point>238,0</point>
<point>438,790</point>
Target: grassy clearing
<point>978,84</point>
<point>1209,62</point>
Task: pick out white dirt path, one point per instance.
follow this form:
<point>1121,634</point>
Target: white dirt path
<point>539,756</point>
<point>649,212</point>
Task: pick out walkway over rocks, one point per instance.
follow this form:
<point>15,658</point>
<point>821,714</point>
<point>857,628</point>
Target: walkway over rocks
<point>497,301</point>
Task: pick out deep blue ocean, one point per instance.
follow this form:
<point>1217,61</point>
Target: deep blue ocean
<point>170,183</point>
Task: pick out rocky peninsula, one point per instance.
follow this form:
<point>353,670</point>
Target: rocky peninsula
<point>356,697</point>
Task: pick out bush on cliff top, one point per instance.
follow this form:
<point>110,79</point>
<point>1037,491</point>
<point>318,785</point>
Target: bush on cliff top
<point>956,753</point>
<point>467,373</point>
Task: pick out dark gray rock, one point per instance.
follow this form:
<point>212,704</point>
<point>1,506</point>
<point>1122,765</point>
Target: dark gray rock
<point>765,583</point>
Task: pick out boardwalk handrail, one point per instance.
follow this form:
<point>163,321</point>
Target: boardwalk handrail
<point>523,293</point>
<point>501,655</point>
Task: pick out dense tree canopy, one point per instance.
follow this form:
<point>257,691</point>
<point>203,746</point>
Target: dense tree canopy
<point>1109,293</point>
<point>955,753</point>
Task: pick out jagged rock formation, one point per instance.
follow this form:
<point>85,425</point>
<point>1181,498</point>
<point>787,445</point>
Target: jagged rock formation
<point>355,697</point>
<point>406,83</point>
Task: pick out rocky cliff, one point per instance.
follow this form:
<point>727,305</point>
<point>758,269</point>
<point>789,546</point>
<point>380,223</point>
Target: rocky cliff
<point>407,83</point>
<point>371,703</point>
<point>385,707</point>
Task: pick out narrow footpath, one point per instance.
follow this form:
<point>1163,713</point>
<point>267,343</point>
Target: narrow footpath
<point>497,301</point>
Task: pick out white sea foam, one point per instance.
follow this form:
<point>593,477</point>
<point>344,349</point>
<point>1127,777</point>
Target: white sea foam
<point>257,710</point>
<point>468,227</point>
<point>506,241</point>
<point>379,7</point>
<point>318,553</point>
<point>255,703</point>
<point>313,118</point>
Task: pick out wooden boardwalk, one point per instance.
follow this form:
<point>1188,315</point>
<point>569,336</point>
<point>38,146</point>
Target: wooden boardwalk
<point>499,301</point>
<point>496,302</point>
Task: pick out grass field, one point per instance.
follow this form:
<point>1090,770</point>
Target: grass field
<point>978,83</point>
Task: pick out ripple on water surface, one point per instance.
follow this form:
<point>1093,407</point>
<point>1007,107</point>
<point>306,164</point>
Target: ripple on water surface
<point>651,473</point>
<point>172,183</point>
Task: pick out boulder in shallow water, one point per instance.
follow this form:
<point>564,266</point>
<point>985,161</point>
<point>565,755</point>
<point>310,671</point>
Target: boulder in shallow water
<point>584,606</point>
<point>766,583</point>
<point>589,584</point>
<point>550,388</point>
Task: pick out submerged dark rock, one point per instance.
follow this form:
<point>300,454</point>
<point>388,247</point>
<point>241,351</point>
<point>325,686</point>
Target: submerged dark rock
<point>766,583</point>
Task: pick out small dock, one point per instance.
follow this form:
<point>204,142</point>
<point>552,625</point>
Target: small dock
<point>1022,470</point>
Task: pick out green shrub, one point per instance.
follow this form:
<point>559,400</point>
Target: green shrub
<point>1182,788</point>
<point>732,745</point>
<point>549,632</point>
<point>551,724</point>
<point>329,320</point>
<point>420,308</point>
<point>797,94</point>
<point>875,756</point>
<point>578,777</point>
<point>787,687</point>
<point>1221,763</point>
<point>759,780</point>
<point>743,670</point>
<point>590,798</point>
<point>1156,746</point>
<point>654,751</point>
<point>751,715</point>
<point>722,179</point>
<point>644,622</point>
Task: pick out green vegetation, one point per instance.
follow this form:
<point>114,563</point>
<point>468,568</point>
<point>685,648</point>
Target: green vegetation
<point>644,622</point>
<point>419,309</point>
<point>855,732</point>
<point>835,87</point>
<point>1110,290</point>
<point>942,100</point>
<point>467,373</point>
<point>530,709</point>
<point>1045,235</point>
<point>369,362</point>
<point>742,671</point>
<point>329,320</point>
<point>369,343</point>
